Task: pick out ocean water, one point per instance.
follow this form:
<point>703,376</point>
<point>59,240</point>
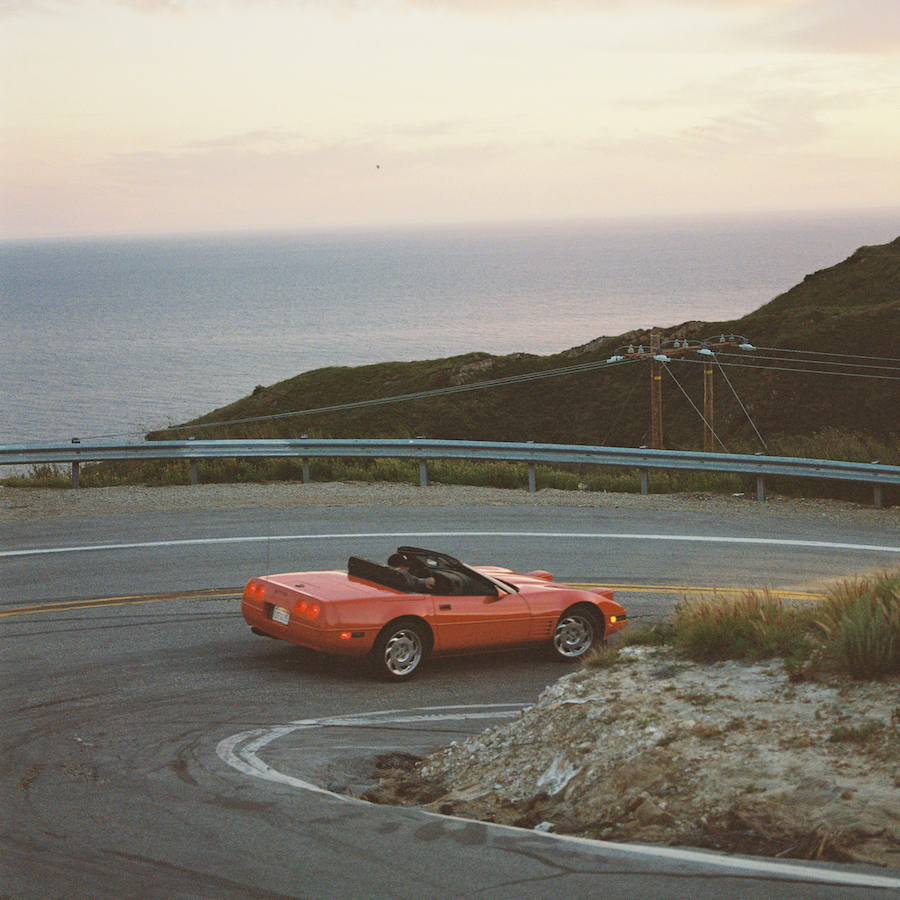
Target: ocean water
<point>111,338</point>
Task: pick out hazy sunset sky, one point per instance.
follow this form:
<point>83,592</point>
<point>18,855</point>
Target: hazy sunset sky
<point>178,116</point>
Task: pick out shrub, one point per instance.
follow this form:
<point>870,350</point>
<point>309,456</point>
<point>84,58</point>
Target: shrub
<point>867,639</point>
<point>41,476</point>
<point>860,621</point>
<point>753,626</point>
<point>855,631</point>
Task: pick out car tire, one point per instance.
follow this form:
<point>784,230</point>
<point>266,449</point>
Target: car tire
<point>577,630</point>
<point>399,650</point>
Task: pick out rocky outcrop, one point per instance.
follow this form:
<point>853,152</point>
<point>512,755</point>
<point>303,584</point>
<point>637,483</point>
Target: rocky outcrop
<point>729,756</point>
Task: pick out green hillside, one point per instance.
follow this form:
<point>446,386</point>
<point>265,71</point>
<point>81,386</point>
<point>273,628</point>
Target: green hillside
<point>851,309</point>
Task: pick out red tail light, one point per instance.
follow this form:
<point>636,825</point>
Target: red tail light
<point>254,591</point>
<point>305,608</point>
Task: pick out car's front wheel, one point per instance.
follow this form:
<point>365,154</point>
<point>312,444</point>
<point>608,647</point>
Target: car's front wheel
<point>399,650</point>
<point>577,630</point>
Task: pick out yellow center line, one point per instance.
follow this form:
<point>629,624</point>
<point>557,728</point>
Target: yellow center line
<point>234,594</point>
<point>697,589</point>
<point>62,606</point>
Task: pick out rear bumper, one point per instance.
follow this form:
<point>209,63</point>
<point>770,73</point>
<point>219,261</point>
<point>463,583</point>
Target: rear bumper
<point>324,640</point>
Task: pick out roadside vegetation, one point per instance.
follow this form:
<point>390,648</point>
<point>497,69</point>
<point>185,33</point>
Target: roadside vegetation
<point>853,632</point>
<point>513,476</point>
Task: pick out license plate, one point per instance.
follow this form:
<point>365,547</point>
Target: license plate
<point>279,614</point>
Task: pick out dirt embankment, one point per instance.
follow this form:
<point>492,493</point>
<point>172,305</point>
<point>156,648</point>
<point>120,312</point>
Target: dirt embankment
<point>656,749</point>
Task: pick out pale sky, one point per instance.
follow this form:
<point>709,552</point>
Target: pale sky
<point>181,116</point>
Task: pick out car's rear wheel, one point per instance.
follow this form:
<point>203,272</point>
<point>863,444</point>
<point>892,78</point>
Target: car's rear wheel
<point>399,649</point>
<point>577,630</point>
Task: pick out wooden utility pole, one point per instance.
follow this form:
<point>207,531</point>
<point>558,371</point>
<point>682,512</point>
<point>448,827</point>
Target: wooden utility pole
<point>708,405</point>
<point>656,430</point>
<point>658,358</point>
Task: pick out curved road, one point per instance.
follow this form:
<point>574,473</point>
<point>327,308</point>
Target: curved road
<point>152,747</point>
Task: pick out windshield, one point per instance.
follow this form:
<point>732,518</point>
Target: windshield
<point>424,562</point>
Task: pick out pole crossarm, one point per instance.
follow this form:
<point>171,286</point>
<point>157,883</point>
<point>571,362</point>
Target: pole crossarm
<point>666,350</point>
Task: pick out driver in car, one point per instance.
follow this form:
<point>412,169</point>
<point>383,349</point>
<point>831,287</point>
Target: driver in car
<point>418,585</point>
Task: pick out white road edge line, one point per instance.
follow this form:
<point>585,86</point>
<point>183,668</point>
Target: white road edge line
<point>606,536</point>
<point>247,761</point>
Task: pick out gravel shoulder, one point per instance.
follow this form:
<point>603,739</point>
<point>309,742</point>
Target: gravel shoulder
<point>34,503</point>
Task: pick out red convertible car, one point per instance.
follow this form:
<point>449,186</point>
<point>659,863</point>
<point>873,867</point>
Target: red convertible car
<point>425,603</point>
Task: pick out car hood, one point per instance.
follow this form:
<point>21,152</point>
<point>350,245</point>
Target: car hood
<point>516,579</point>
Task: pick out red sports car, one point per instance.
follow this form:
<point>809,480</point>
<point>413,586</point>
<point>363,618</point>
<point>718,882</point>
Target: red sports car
<point>425,603</point>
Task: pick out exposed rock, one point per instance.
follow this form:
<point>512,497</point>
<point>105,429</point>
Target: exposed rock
<point>589,347</point>
<point>467,372</point>
<point>729,756</point>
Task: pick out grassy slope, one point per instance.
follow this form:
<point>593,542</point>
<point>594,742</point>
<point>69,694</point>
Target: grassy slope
<point>850,308</point>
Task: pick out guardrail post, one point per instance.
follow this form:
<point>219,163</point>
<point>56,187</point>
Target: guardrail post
<point>423,473</point>
<point>192,465</point>
<point>877,497</point>
<point>760,488</point>
<point>645,482</point>
<point>75,467</point>
<point>532,479</point>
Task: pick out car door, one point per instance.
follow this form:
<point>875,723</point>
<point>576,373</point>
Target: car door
<point>480,622</point>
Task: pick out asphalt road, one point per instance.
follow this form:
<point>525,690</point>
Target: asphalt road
<point>153,748</point>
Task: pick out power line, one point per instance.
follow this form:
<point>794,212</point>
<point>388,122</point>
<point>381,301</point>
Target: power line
<point>803,371</point>
<point>403,398</point>
<point>741,403</point>
<point>694,406</point>
<point>829,353</point>
<point>569,370</point>
<point>622,409</point>
<point>824,362</point>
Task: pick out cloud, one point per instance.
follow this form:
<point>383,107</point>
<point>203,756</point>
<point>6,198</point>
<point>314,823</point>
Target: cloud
<point>562,7</point>
<point>10,8</point>
<point>830,26</point>
<point>468,7</point>
<point>838,26</point>
<point>254,141</point>
<point>848,26</point>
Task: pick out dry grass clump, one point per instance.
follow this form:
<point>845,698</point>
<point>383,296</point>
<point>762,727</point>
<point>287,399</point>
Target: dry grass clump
<point>861,620</point>
<point>854,631</point>
<point>752,626</point>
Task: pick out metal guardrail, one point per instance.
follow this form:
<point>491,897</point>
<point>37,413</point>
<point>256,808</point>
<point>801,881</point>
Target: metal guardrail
<point>423,450</point>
